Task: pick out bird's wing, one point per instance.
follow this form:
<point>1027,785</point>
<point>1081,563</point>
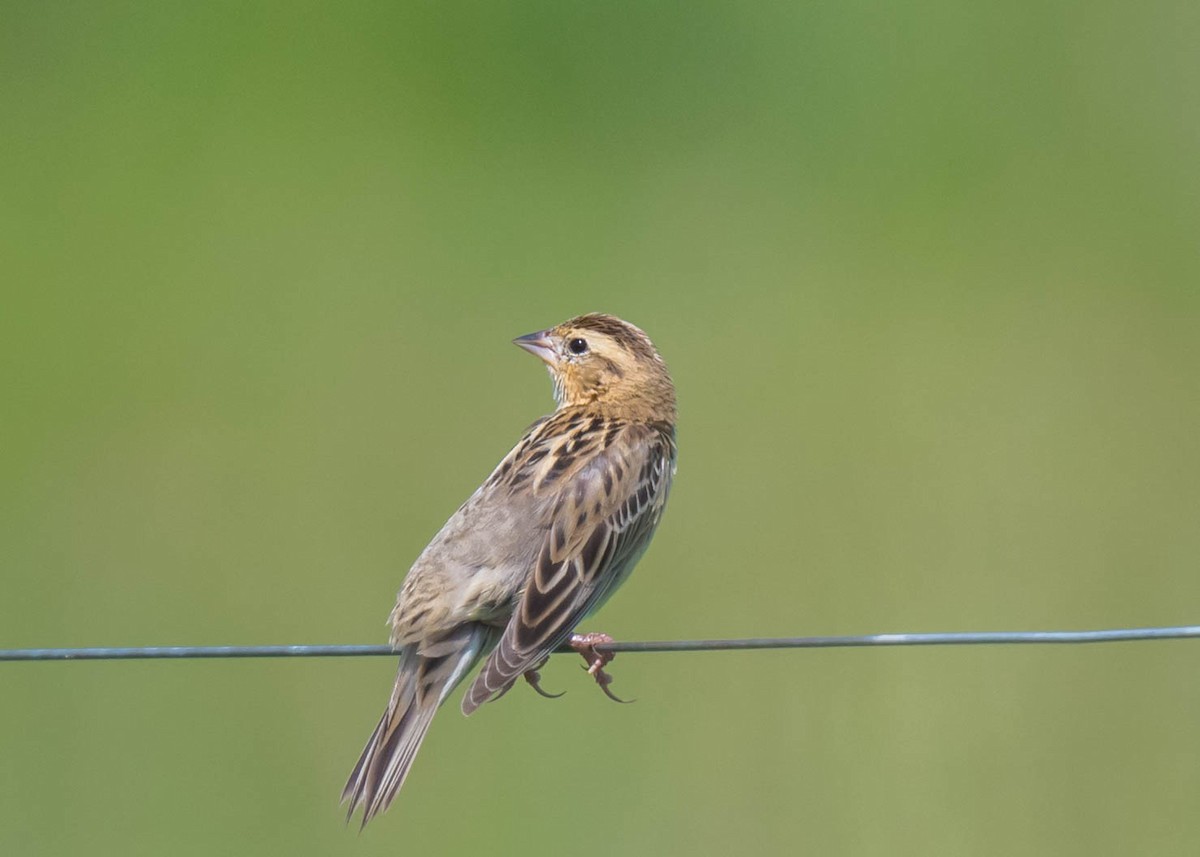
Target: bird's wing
<point>602,521</point>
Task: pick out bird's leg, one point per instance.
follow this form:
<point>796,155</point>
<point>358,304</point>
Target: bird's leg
<point>586,644</point>
<point>535,680</point>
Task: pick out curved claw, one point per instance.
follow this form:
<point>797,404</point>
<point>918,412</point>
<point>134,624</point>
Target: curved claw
<point>585,644</point>
<point>535,681</point>
<point>603,679</point>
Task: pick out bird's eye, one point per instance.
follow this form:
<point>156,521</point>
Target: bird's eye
<point>577,346</point>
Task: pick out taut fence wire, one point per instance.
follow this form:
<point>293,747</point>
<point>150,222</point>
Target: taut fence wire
<point>964,638</point>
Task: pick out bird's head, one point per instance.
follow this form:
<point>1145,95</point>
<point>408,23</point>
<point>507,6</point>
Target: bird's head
<point>602,362</point>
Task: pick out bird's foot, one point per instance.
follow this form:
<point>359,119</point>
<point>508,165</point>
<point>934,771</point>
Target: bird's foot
<point>535,681</point>
<point>586,644</point>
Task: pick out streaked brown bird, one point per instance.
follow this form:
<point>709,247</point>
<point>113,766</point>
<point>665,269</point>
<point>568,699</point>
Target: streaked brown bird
<point>541,544</point>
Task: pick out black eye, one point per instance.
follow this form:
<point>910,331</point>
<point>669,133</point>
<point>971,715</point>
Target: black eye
<point>577,346</point>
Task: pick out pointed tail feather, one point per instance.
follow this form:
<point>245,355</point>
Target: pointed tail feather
<point>425,678</point>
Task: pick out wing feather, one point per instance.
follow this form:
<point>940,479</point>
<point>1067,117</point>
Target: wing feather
<point>601,525</point>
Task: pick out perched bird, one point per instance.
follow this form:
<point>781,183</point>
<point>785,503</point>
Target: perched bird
<point>541,544</point>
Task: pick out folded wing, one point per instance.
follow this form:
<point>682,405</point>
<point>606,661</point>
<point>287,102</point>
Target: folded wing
<point>602,523</point>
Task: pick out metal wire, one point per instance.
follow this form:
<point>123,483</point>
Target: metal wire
<point>968,638</point>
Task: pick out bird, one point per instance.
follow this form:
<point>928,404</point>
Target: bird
<point>540,545</point>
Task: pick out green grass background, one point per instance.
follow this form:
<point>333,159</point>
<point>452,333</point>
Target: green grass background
<point>928,278</point>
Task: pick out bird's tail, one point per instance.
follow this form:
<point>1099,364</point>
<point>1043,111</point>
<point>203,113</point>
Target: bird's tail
<point>427,674</point>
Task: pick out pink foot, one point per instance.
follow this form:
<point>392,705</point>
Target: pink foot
<point>586,644</point>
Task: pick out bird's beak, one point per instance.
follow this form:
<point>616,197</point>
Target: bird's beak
<point>539,344</point>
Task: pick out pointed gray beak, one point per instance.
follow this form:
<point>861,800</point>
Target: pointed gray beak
<point>539,344</point>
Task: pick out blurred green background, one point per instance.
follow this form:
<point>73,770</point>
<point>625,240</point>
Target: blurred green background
<point>928,278</point>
